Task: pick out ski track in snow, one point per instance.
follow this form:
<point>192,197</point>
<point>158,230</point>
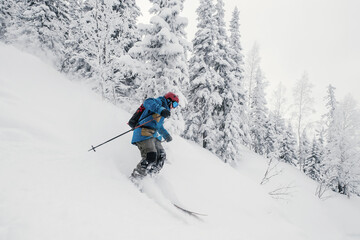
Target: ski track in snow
<point>52,188</point>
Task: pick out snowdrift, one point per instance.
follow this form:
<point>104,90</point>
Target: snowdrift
<point>51,187</point>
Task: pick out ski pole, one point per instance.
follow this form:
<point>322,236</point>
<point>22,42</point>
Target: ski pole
<point>93,148</point>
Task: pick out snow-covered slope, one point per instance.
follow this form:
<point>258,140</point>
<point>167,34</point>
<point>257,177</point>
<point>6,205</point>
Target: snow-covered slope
<point>51,187</point>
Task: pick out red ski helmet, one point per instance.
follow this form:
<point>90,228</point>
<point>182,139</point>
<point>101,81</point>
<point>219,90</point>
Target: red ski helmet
<point>172,97</point>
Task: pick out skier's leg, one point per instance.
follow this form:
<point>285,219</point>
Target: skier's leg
<point>148,154</point>
<point>161,156</point>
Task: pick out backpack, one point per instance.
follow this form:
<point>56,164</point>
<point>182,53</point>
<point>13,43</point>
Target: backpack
<point>133,122</point>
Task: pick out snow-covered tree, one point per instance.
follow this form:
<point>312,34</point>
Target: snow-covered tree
<point>279,100</point>
<point>228,65</point>
<point>101,33</point>
<point>252,64</point>
<point>303,103</point>
<point>304,149</point>
<point>240,111</point>
<point>331,105</point>
<point>258,114</point>
<point>205,101</point>
<point>271,138</point>
<point>288,147</point>
<point>222,62</point>
<point>163,48</point>
<point>313,163</point>
<point>343,151</point>
<point>236,53</point>
<point>95,33</point>
<point>7,9</point>
<point>73,61</point>
<point>40,25</point>
<point>276,133</point>
<point>125,73</point>
<point>125,32</point>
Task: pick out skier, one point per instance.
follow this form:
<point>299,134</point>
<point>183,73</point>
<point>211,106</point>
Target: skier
<point>148,137</point>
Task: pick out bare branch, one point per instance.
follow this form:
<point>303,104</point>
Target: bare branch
<point>270,172</point>
<point>282,192</point>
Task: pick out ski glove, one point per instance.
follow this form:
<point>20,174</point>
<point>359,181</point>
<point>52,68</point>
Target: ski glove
<point>168,139</point>
<point>165,113</point>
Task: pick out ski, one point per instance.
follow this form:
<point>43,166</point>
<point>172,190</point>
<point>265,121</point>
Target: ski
<point>191,213</point>
<point>138,183</point>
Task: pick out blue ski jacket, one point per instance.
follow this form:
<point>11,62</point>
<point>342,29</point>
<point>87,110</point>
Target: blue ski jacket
<point>154,128</point>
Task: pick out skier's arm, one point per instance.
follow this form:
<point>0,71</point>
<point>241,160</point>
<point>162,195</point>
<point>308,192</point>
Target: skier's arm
<point>163,132</point>
<point>153,105</point>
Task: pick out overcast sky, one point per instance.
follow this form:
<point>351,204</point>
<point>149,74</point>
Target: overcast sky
<point>321,37</point>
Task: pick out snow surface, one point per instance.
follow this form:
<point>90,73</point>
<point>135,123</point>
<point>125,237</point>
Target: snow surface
<point>51,187</point>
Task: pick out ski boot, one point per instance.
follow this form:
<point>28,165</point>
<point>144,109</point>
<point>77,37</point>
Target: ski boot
<point>141,170</point>
<point>158,164</point>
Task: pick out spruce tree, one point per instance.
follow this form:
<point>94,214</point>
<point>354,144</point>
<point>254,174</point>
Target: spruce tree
<point>40,25</point>
<point>313,162</point>
<point>274,136</point>
<point>124,72</point>
<point>125,33</point>
<point>101,33</point>
<point>270,141</point>
<point>258,115</point>
<point>7,11</point>
<point>304,150</point>
<point>331,105</point>
<point>74,60</point>
<point>237,86</point>
<point>93,49</point>
<point>288,147</point>
<point>228,66</point>
<point>205,101</point>
<point>342,156</point>
<point>163,48</point>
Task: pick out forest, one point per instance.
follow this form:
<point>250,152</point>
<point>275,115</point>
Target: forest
<point>222,90</point>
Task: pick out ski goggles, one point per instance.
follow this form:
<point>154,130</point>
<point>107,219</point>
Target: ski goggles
<point>175,104</point>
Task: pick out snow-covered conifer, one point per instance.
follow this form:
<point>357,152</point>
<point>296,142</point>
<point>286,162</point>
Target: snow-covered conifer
<point>313,162</point>
<point>7,9</point>
<point>163,48</point>
<point>274,137</point>
<point>40,24</point>
<point>252,64</point>
<point>303,107</point>
<point>124,72</point>
<point>72,62</point>
<point>331,105</point>
<point>93,52</point>
<point>258,114</point>
<point>342,154</point>
<point>125,31</point>
<point>100,35</point>
<point>288,147</point>
<point>205,100</point>
<point>237,86</point>
<point>230,133</point>
<point>270,141</point>
<point>304,149</point>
